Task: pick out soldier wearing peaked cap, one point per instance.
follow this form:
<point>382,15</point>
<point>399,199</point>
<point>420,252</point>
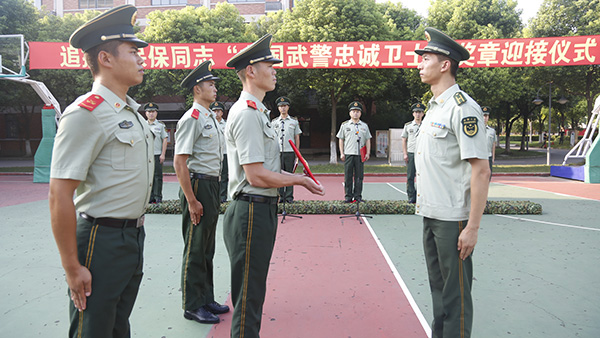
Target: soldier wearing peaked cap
<point>250,222</point>
<point>286,128</point>
<point>354,142</point>
<point>453,174</point>
<point>160,149</point>
<point>199,147</point>
<point>104,151</point>
<point>219,109</point>
<point>492,138</point>
<point>409,140</point>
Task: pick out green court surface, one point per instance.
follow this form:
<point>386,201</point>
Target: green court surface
<point>535,275</point>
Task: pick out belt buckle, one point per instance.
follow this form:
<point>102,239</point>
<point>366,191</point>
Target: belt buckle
<point>140,221</point>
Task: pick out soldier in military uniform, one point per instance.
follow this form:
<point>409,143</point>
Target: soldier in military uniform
<point>409,140</point>
<point>103,152</point>
<point>492,138</point>
<point>353,135</point>
<point>219,108</point>
<point>287,128</point>
<point>199,146</point>
<point>250,222</point>
<point>160,150</point>
<point>453,175</point>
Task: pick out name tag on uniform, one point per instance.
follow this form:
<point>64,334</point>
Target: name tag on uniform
<point>125,124</point>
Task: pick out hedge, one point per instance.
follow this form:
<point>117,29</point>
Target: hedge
<point>372,207</point>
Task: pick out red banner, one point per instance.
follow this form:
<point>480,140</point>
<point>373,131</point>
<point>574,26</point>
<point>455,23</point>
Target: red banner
<point>536,52</point>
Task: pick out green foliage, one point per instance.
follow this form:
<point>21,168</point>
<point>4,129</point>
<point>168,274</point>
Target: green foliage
<point>19,17</point>
<point>374,207</point>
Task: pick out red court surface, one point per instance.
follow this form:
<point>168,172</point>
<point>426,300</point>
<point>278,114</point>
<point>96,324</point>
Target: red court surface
<point>328,275</point>
<point>18,189</point>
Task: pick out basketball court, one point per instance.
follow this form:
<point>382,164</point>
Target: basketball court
<point>535,275</point>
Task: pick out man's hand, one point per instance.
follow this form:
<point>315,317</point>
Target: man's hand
<point>313,187</point>
<point>162,158</point>
<point>196,211</point>
<point>367,157</point>
<point>79,280</point>
<point>342,157</point>
<point>406,157</point>
<point>466,241</point>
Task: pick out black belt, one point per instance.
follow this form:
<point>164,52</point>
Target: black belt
<point>256,198</point>
<point>204,177</point>
<point>114,222</point>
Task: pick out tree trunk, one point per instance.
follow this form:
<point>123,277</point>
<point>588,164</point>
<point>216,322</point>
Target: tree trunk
<point>332,138</point>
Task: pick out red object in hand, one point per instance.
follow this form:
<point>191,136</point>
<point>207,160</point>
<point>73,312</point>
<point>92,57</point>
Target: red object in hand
<point>303,161</point>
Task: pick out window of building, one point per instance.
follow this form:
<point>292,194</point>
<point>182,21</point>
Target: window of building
<point>237,1</point>
<point>168,2</point>
<point>95,3</point>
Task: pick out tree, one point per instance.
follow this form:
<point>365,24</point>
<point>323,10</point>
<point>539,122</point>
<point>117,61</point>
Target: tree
<point>335,20</point>
<point>192,25</point>
<point>569,18</point>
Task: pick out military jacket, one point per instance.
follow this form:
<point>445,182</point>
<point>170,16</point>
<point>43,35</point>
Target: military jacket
<point>199,136</point>
<point>160,133</point>
<point>452,132</point>
<point>250,139</point>
<point>410,132</point>
<point>351,133</point>
<point>288,128</point>
<point>221,125</point>
<point>491,139</point>
<point>103,142</point>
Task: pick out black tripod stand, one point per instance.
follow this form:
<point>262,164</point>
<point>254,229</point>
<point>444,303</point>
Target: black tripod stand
<point>282,198</point>
<point>358,215</point>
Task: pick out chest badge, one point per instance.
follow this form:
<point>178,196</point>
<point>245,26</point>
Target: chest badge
<point>208,126</point>
<point>469,126</point>
<point>125,124</point>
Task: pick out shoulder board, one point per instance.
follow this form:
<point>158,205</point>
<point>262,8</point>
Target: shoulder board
<point>196,114</point>
<point>408,123</point>
<point>91,102</point>
<point>161,122</point>
<point>294,118</point>
<point>251,104</point>
<point>345,121</point>
<point>459,98</point>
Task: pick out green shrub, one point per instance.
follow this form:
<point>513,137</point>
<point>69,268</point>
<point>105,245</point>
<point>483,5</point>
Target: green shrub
<point>374,207</point>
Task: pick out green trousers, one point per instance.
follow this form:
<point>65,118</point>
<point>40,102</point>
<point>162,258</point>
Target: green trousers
<point>114,257</point>
<point>199,246</point>
<point>353,176</point>
<point>450,279</point>
<point>249,232</point>
<point>224,179</point>
<point>288,159</point>
<point>157,182</point>
<point>411,191</point>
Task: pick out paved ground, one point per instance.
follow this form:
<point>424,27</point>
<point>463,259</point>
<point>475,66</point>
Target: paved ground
<point>534,275</point>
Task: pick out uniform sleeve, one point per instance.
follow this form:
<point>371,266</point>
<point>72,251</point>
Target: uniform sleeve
<point>298,130</point>
<point>163,133</point>
<point>185,136</point>
<point>340,133</point>
<point>471,146</point>
<point>78,142</point>
<point>369,133</point>
<point>405,132</point>
<point>248,140</point>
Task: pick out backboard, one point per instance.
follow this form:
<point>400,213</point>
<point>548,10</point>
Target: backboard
<point>13,55</point>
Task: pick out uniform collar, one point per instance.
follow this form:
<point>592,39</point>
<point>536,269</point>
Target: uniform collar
<point>204,111</point>
<point>112,99</point>
<point>259,105</point>
<point>446,95</point>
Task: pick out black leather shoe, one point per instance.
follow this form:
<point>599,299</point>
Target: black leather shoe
<point>201,316</point>
<point>347,200</point>
<point>216,308</point>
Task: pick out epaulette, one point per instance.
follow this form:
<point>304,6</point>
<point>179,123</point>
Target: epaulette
<point>251,104</point>
<point>196,114</point>
<point>407,123</point>
<point>294,118</point>
<point>91,102</point>
<point>459,98</point>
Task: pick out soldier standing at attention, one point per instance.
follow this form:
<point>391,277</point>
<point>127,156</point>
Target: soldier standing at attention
<point>353,135</point>
<point>453,175</point>
<point>198,155</point>
<point>409,140</point>
<point>160,150</point>
<point>103,152</point>
<point>219,108</point>
<point>287,128</point>
<point>492,139</point>
<point>250,223</point>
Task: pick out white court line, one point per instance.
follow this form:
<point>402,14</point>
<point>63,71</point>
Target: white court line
<point>550,192</point>
<point>396,188</point>
<point>549,223</point>
<point>403,286</point>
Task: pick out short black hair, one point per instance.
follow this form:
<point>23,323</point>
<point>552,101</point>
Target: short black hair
<point>91,55</point>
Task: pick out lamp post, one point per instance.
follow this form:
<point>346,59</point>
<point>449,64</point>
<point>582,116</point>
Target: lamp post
<point>537,101</point>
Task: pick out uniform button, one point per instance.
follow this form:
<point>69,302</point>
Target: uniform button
<point>418,195</point>
<point>434,134</point>
<point>131,141</point>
